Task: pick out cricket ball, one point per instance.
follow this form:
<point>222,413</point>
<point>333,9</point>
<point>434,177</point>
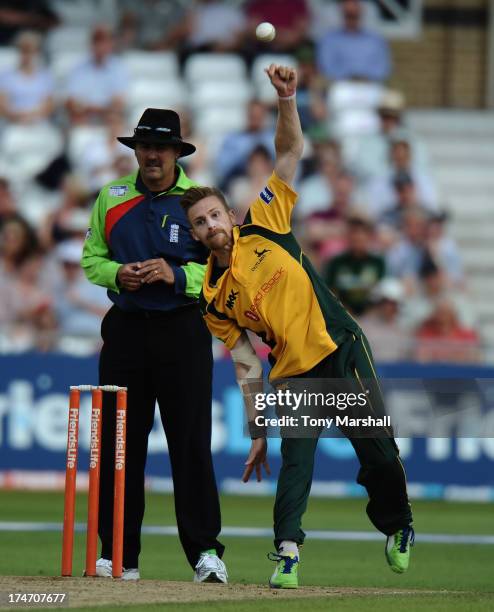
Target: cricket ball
<point>265,31</point>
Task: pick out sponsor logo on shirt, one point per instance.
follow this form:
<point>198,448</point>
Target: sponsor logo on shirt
<point>174,232</point>
<point>231,299</point>
<point>265,288</point>
<point>261,256</point>
<point>266,195</point>
<point>118,190</point>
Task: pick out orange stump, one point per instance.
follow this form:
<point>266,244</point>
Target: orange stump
<point>94,479</point>
<point>119,491</point>
<point>70,482</point>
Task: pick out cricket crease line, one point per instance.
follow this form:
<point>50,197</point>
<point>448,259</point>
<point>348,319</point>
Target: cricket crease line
<point>261,532</point>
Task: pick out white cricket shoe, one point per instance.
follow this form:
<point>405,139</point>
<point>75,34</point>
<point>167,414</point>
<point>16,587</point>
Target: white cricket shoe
<point>104,570</point>
<point>210,568</point>
<point>132,573</point>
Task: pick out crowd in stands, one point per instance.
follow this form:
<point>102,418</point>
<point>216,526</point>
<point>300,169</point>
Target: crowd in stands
<point>369,213</point>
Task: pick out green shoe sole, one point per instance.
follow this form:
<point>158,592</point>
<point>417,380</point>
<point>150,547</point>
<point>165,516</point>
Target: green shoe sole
<point>283,586</point>
<point>395,568</point>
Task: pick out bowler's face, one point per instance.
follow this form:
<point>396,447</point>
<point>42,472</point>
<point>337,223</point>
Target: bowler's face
<point>211,223</point>
<point>156,162</point>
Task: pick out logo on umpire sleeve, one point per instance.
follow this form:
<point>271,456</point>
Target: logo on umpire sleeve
<point>118,190</point>
<point>266,195</point>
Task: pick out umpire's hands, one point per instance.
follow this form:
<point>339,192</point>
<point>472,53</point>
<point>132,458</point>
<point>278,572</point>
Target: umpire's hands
<point>283,79</point>
<point>256,459</point>
<point>154,270</point>
<point>128,277</point>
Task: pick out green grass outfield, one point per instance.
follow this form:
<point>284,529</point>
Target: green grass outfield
<point>465,573</point>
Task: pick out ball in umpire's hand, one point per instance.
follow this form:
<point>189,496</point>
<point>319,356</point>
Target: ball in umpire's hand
<point>265,31</point>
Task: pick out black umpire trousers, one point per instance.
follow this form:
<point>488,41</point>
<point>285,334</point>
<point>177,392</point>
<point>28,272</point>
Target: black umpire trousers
<point>165,357</point>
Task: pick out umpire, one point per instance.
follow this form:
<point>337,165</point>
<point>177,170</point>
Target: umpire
<point>156,344</point>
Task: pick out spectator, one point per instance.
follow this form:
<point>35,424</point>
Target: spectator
<point>237,146</point>
<point>25,311</point>
<point>30,320</point>
<point>353,275</point>
<point>327,15</point>
<point>425,239</point>
<point>71,218</point>
<point>405,258</point>
<point>151,24</point>
<point>311,92</point>
<point>381,190</point>
<point>79,305</point>
<point>433,287</point>
<point>99,160</point>
<point>17,15</point>
<point>316,191</point>
<point>17,243</point>
<point>213,25</point>
<point>382,324</point>
<point>443,338</point>
<point>371,157</point>
<point>324,231</point>
<point>444,250</point>
<point>353,52</point>
<point>199,166</point>
<point>406,200</point>
<point>26,92</point>
<point>291,20</point>
<point>97,86</point>
<point>246,187</point>
<point>7,204</point>
<point>123,164</point>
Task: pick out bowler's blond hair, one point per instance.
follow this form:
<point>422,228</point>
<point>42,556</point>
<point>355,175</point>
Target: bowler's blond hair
<point>196,194</point>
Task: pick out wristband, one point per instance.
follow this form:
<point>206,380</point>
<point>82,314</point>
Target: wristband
<point>287,97</point>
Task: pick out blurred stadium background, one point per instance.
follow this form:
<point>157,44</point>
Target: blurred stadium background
<point>395,205</point>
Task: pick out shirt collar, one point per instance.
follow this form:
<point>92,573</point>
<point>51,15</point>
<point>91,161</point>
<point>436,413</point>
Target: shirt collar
<point>181,185</point>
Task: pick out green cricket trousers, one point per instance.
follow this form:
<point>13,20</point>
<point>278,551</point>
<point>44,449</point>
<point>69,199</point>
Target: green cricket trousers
<point>381,471</point>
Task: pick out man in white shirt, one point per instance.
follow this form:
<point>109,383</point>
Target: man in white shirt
<point>26,91</point>
<point>97,86</point>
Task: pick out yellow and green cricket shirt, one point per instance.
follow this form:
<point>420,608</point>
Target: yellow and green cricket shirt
<point>272,289</point>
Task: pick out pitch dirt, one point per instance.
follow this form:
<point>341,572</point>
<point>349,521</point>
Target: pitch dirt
<point>89,592</point>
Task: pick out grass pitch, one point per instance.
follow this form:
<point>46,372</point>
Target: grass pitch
<point>336,575</point>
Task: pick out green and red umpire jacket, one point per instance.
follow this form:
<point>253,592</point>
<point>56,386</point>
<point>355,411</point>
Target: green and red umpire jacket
<point>129,223</point>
